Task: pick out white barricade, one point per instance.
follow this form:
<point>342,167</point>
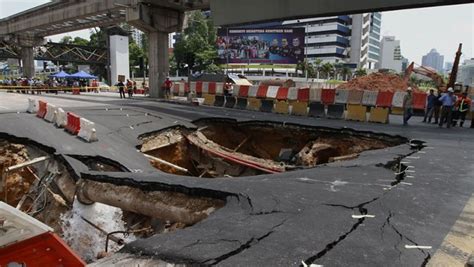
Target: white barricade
<point>31,105</point>
<point>341,96</point>
<point>61,118</point>
<point>355,97</point>
<point>272,91</point>
<point>219,88</point>
<point>370,98</point>
<point>397,100</point>
<point>292,93</point>
<point>205,88</point>
<point>50,113</point>
<point>235,90</point>
<point>253,91</point>
<point>192,86</point>
<point>315,94</point>
<point>87,131</point>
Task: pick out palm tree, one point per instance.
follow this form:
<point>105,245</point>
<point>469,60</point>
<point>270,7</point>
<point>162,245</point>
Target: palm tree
<point>317,66</point>
<point>360,72</point>
<point>327,69</point>
<point>346,73</point>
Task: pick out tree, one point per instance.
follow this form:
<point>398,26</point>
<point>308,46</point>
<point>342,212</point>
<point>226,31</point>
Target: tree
<point>66,40</point>
<point>360,72</point>
<point>196,50</point>
<point>327,69</point>
<point>317,66</point>
<point>80,41</point>
<point>346,73</point>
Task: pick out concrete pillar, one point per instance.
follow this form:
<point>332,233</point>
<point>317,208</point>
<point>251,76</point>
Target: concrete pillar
<point>28,61</point>
<point>158,59</point>
<point>119,57</point>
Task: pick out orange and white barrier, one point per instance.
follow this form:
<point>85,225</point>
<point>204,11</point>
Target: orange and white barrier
<point>50,113</point>
<point>87,130</point>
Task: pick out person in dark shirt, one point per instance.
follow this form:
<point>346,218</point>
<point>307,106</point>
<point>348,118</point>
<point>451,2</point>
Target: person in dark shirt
<point>430,106</point>
<point>274,48</point>
<point>285,48</point>
<point>121,88</point>
<point>297,51</point>
<point>437,107</point>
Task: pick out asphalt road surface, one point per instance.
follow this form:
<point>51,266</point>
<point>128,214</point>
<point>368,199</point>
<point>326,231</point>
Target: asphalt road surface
<point>348,213</point>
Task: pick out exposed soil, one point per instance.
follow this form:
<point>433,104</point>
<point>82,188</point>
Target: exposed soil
<point>378,82</point>
<point>221,148</point>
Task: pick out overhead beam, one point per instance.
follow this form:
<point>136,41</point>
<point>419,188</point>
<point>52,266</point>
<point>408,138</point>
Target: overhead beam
<point>231,12</point>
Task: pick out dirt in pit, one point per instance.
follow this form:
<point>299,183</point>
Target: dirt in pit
<point>229,149</point>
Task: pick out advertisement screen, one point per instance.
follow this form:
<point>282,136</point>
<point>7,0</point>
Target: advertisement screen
<point>257,46</point>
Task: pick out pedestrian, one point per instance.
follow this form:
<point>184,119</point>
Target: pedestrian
<point>437,107</point>
<point>462,107</point>
<point>121,88</point>
<point>167,87</point>
<point>430,106</point>
<point>407,106</point>
<point>129,88</point>
<point>448,100</point>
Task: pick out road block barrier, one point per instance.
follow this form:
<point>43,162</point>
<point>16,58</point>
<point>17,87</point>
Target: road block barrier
<point>355,97</point>
<point>205,87</point>
<point>61,118</point>
<point>50,113</point>
<point>262,91</point>
<point>87,130</point>
<point>209,99</point>
<point>315,94</point>
<point>369,98</point>
<point>384,99</point>
<point>73,123</point>
<point>241,103</point>
<point>219,88</point>
<point>282,94</point>
<point>397,100</point>
<point>267,105</point>
<point>252,92</point>
<point>356,113</point>
<point>254,104</point>
<point>230,101</point>
<point>328,96</point>
<point>419,100</point>
<point>272,92</point>
<point>31,106</point>
<point>341,96</point>
<point>281,107</point>
<point>292,93</point>
<point>336,111</point>
<point>219,100</point>
<point>379,114</point>
<point>42,109</point>
<point>303,95</point>
<point>299,108</point>
<point>317,109</point>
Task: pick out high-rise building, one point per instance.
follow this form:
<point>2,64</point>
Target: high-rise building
<point>137,36</point>
<point>466,73</point>
<point>435,60</point>
<point>448,66</point>
<point>353,39</point>
<point>391,56</point>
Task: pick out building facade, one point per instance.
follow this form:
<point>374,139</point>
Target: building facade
<point>137,36</point>
<point>391,55</point>
<point>353,40</point>
<point>433,59</point>
<point>466,73</point>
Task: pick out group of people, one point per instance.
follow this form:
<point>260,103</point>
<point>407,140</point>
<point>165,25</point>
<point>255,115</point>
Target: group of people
<point>129,86</point>
<point>446,108</point>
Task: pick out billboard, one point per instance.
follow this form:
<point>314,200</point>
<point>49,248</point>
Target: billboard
<point>257,46</point>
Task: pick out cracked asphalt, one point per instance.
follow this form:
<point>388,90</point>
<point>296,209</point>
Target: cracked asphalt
<point>358,212</point>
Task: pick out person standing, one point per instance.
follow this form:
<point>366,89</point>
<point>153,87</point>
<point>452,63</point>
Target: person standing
<point>437,107</point>
<point>430,106</point>
<point>167,86</point>
<point>463,106</point>
<point>129,88</point>
<point>121,88</point>
<point>407,106</point>
<point>448,100</point>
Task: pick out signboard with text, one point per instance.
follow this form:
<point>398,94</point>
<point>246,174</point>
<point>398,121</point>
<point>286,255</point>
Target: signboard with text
<point>257,46</point>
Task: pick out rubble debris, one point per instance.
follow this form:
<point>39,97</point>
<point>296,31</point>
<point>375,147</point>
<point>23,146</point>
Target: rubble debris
<point>224,148</point>
<point>378,82</point>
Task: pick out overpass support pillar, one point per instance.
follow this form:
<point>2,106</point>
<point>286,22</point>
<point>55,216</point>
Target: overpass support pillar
<point>28,61</point>
<point>158,59</point>
<point>158,23</point>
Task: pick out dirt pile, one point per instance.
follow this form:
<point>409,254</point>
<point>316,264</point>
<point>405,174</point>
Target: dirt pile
<point>378,82</point>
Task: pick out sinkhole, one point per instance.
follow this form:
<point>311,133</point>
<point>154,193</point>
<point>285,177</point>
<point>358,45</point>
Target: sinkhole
<point>95,218</point>
<point>226,148</point>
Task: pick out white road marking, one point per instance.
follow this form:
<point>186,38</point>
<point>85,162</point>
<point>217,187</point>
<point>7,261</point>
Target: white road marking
<point>417,247</point>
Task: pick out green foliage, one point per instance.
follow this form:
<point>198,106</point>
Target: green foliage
<point>361,72</point>
<point>196,49</point>
<point>327,69</point>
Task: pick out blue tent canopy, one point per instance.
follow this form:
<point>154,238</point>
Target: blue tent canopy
<point>82,75</point>
<point>61,75</point>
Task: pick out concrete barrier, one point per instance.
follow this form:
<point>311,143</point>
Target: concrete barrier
<point>252,92</point>
<point>341,96</point>
<point>61,118</point>
<point>281,107</point>
<point>299,108</point>
<point>315,94</point>
<point>242,103</point>
<point>230,101</point>
<point>355,97</point>
<point>317,109</point>
<point>50,113</point>
<point>31,106</point>
<point>267,105</point>
<point>292,93</point>
<point>209,100</point>
<point>219,100</point>
<point>397,100</point>
<point>369,98</point>
<point>87,131</point>
<point>356,113</point>
<point>336,111</point>
<point>379,115</point>
<point>254,104</point>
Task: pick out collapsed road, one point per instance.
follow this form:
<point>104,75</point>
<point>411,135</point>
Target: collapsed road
<point>393,201</point>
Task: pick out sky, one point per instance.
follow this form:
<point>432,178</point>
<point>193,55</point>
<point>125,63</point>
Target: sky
<point>419,30</point>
